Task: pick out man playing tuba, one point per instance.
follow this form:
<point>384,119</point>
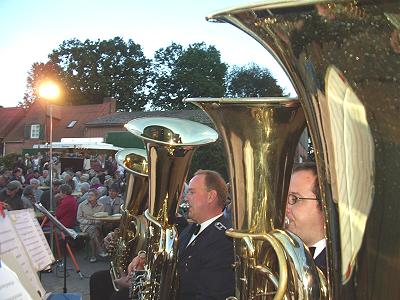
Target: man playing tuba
<point>205,255</point>
<point>304,216</point>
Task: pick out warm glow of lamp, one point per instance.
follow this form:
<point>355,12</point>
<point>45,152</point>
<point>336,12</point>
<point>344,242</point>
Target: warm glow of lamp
<point>49,90</point>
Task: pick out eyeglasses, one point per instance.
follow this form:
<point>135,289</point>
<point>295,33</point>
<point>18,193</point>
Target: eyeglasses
<point>293,199</point>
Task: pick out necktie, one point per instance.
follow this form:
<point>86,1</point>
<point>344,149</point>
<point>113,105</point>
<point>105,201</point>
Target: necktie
<point>196,229</point>
<point>312,250</point>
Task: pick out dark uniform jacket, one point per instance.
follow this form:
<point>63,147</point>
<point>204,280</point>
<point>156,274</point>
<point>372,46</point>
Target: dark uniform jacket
<point>320,261</point>
<point>205,267</point>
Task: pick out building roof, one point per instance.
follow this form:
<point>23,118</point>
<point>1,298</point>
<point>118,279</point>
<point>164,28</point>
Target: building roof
<point>62,117</point>
<point>121,118</point>
<point>80,113</point>
<point>9,117</point>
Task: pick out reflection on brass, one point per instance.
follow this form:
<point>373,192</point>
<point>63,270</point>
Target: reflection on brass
<point>170,145</point>
<point>343,60</point>
<point>260,137</point>
<point>131,235</point>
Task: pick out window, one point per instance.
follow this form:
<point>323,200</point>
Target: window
<point>35,131</point>
<point>72,124</point>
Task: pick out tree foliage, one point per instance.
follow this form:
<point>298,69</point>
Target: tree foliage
<point>193,72</point>
<point>39,73</point>
<point>252,81</point>
<point>94,70</point>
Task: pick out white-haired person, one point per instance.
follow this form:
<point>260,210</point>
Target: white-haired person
<point>35,183</point>
<point>86,211</point>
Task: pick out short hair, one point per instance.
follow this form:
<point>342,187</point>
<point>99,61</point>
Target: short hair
<point>214,181</point>
<point>95,180</point>
<point>312,167</point>
<point>95,192</point>
<point>34,181</point>
<point>114,187</point>
<point>28,190</point>
<point>85,186</point>
<point>57,182</point>
<point>66,189</point>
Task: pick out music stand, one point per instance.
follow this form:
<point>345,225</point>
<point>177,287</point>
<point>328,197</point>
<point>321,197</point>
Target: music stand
<point>69,233</point>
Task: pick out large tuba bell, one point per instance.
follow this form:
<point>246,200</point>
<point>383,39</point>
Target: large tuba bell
<point>170,145</point>
<point>260,137</point>
<point>131,235</point>
<point>343,58</point>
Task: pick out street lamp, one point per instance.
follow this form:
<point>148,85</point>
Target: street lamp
<point>50,91</point>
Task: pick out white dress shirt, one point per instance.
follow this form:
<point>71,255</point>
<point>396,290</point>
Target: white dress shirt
<point>203,226</point>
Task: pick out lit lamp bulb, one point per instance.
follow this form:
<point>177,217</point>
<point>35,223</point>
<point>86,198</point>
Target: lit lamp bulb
<point>49,90</point>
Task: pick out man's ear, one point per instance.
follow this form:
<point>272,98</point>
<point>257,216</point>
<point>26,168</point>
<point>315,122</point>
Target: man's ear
<point>212,196</point>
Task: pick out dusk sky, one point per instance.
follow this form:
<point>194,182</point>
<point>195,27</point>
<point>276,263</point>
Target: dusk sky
<point>30,30</point>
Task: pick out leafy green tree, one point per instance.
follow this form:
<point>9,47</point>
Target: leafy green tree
<point>210,157</point>
<point>193,72</point>
<point>252,81</point>
<point>39,73</point>
<point>108,68</point>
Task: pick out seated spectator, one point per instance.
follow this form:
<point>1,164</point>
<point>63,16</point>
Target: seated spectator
<point>11,195</point>
<point>108,181</point>
<point>102,190</point>
<point>45,198</point>
<point>29,175</point>
<point>95,183</point>
<point>68,180</point>
<point>28,197</point>
<point>17,175</point>
<point>35,185</point>
<point>84,178</point>
<point>77,181</point>
<point>3,181</point>
<point>112,203</point>
<point>85,187</point>
<point>45,178</point>
<point>86,211</point>
<point>66,210</point>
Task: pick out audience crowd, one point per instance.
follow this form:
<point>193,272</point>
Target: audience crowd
<point>77,195</point>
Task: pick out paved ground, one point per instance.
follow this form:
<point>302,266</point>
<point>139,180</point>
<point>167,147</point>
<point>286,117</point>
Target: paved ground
<point>54,282</point>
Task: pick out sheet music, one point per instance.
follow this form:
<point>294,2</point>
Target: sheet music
<point>33,240</point>
<point>10,244</point>
<point>40,232</point>
<point>10,287</point>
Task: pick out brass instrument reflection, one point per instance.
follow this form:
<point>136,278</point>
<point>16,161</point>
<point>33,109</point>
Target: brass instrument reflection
<point>343,60</point>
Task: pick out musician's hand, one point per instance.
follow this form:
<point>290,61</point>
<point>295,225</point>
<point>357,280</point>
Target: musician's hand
<point>137,262</point>
<point>124,281</point>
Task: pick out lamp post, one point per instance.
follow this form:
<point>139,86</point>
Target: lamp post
<point>50,91</point>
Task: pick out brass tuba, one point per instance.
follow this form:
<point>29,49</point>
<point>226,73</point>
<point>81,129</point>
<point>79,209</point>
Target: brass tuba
<point>343,58</point>
<point>131,234</point>
<point>170,145</point>
<point>260,137</point>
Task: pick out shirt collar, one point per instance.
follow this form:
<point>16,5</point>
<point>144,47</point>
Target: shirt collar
<point>207,223</point>
<point>319,247</point>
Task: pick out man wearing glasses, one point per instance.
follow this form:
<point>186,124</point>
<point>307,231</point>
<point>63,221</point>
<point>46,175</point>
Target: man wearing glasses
<point>304,216</point>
